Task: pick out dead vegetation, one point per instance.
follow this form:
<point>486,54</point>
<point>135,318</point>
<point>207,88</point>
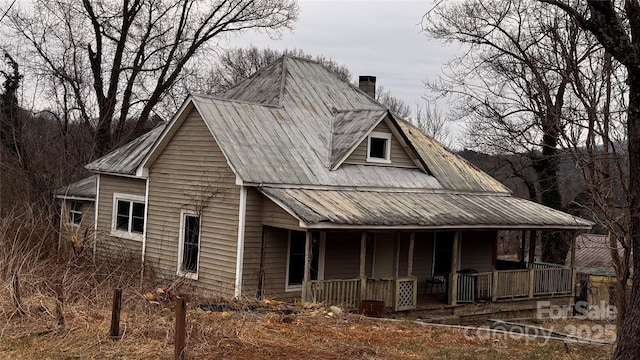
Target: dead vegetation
<point>62,311</point>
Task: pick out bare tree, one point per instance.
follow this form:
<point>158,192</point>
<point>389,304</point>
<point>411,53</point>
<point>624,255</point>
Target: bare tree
<point>395,104</point>
<point>616,25</point>
<point>107,61</point>
<point>237,64</point>
<point>432,122</point>
<point>511,85</point>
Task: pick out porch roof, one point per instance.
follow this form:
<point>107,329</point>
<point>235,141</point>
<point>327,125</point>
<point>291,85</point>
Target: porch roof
<point>373,208</point>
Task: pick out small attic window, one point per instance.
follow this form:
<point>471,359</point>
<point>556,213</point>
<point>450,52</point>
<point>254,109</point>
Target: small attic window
<point>379,147</point>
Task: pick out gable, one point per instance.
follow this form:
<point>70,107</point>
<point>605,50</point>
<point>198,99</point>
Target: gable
<point>398,156</point>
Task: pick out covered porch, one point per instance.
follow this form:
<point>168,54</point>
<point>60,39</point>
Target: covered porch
<point>397,246</point>
<point>408,269</point>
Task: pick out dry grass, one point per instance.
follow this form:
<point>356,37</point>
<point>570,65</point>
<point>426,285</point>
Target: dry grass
<point>147,333</point>
<point>265,332</point>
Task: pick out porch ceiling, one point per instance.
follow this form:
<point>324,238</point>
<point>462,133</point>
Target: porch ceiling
<point>355,208</point>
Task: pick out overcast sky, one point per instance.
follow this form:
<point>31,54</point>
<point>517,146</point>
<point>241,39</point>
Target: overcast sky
<point>380,38</point>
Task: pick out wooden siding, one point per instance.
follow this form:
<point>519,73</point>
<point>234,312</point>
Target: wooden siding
<point>275,264</point>
<point>109,247</point>
<point>399,156</point>
<point>477,250</point>
<point>422,255</point>
<point>252,243</point>
<point>342,255</point>
<point>274,215</point>
<point>192,173</point>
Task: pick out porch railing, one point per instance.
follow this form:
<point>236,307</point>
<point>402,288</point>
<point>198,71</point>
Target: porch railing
<point>334,292</point>
<point>542,280</point>
<point>397,293</point>
<point>472,287</point>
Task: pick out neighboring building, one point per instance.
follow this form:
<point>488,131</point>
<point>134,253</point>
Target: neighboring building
<point>596,274</point>
<point>295,184</point>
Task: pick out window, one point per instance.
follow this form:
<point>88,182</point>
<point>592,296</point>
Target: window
<point>75,213</point>
<point>295,259</point>
<point>379,147</point>
<point>128,216</point>
<point>189,251</point>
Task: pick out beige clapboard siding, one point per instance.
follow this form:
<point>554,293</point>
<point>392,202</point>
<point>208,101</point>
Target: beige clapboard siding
<point>107,246</point>
<point>342,255</point>
<point>252,243</point>
<point>192,173</point>
<point>477,250</point>
<point>399,156</point>
<point>422,255</point>
<point>275,263</point>
<point>274,215</point>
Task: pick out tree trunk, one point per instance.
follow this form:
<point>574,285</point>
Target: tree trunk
<point>629,340</point>
<point>555,246</point>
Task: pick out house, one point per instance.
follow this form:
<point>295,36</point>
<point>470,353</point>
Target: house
<point>295,184</point>
<point>595,270</point>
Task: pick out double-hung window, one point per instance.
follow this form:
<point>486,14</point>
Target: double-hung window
<point>75,213</point>
<point>189,245</point>
<point>128,216</point>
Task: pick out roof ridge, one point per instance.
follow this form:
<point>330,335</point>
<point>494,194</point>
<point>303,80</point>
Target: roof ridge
<point>218,98</point>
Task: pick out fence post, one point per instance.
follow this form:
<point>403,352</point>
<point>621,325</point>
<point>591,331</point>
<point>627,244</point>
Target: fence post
<point>59,304</point>
<point>16,294</point>
<point>181,311</point>
<point>114,332</point>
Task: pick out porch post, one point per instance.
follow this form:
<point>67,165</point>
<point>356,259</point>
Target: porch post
<point>412,239</point>
<point>307,267</point>
<point>453,277</point>
<point>523,243</point>
<point>532,247</point>
<point>363,262</point>
<point>573,263</point>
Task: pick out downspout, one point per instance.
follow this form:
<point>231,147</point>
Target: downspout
<point>144,229</point>
<point>95,217</point>
<point>242,214</point>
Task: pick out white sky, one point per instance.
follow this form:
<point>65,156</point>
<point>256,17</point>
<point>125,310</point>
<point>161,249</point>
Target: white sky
<point>379,38</point>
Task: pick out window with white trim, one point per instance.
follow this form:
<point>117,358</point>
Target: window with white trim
<point>75,212</point>
<point>189,246</point>
<point>379,147</point>
<point>128,216</point>
<point>296,258</point>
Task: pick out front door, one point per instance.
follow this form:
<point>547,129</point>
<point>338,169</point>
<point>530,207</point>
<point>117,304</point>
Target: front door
<point>442,252</point>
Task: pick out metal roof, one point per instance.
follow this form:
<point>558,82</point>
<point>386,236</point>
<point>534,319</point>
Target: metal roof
<point>126,159</point>
<point>417,209</point>
<point>272,145</point>
<point>593,251</point>
<point>451,170</point>
<point>84,189</point>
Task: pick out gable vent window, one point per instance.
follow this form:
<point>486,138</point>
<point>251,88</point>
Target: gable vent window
<point>379,147</point>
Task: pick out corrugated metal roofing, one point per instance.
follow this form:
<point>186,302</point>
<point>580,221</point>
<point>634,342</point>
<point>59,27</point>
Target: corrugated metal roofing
<point>593,251</point>
<point>126,159</point>
<point>418,209</point>
<point>83,189</point>
<point>451,170</point>
<point>270,145</point>
<point>347,131</point>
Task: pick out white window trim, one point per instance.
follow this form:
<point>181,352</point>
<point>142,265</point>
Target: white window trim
<point>70,211</point>
<point>379,135</point>
<point>321,259</point>
<point>114,216</point>
<point>179,271</point>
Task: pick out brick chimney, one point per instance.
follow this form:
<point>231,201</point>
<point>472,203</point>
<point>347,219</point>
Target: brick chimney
<point>367,83</point>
